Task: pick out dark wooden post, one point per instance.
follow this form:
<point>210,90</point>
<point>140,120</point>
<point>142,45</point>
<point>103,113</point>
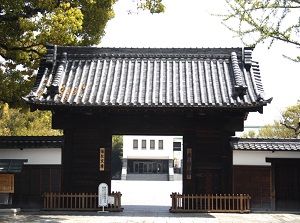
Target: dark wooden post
<point>226,159</point>
<point>188,181</point>
<point>273,189</point>
<point>81,160</point>
<point>67,162</point>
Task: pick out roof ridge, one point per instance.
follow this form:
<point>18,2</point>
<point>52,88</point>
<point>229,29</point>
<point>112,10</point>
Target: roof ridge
<point>198,78</point>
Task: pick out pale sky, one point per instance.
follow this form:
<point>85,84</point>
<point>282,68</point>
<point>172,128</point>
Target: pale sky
<point>189,23</point>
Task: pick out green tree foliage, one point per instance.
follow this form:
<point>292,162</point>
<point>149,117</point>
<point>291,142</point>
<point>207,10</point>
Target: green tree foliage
<point>276,130</point>
<point>250,134</point>
<point>291,119</point>
<point>13,87</point>
<point>154,6</point>
<point>117,155</point>
<point>26,25</point>
<point>256,21</point>
<point>14,122</point>
<point>287,127</point>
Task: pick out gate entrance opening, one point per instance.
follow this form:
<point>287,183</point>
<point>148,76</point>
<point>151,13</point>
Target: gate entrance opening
<point>202,94</point>
<point>147,175</point>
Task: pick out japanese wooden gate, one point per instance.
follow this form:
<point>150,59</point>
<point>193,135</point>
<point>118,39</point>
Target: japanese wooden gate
<point>202,94</point>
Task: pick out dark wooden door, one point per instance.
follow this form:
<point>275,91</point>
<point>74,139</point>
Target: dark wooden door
<point>208,181</point>
<point>32,182</point>
<point>287,186</point>
<point>255,181</point>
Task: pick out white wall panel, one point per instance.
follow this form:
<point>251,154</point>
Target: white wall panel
<point>259,157</point>
<point>35,156</point>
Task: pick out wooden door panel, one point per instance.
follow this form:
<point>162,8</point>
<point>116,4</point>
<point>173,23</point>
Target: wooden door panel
<point>208,181</point>
<point>287,184</point>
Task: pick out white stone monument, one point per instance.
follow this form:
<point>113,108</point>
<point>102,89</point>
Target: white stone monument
<point>103,196</point>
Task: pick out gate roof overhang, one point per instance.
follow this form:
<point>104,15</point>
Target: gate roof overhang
<point>200,80</point>
<point>30,142</point>
<point>12,165</point>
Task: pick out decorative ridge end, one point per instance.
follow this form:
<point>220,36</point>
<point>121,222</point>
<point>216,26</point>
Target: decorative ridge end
<point>53,89</point>
<point>50,54</point>
<point>247,57</point>
<point>266,101</point>
<point>239,89</point>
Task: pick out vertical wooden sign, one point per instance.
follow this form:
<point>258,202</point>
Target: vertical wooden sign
<point>189,164</point>
<point>102,159</point>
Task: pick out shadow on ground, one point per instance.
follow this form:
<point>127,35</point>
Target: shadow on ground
<point>30,218</point>
<point>157,211</point>
<point>129,211</point>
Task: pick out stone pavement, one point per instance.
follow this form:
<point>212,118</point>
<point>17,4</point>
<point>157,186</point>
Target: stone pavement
<point>147,216</point>
<point>146,202</point>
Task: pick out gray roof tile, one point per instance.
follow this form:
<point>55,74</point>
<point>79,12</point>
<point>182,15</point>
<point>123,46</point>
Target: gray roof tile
<point>23,142</point>
<point>148,77</point>
<point>265,144</point>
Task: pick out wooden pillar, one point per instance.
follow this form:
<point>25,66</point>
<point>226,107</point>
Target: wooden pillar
<point>188,178</point>
<point>210,168</point>
<point>226,165</point>
<point>67,162</point>
<point>273,189</point>
<point>81,160</point>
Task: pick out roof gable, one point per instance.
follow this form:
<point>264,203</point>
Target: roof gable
<point>148,77</point>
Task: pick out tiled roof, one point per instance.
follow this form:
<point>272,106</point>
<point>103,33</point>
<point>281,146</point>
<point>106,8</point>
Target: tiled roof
<point>265,144</point>
<point>23,142</point>
<point>12,165</point>
<point>148,77</point>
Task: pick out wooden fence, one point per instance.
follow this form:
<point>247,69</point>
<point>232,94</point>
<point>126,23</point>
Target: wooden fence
<point>79,202</point>
<point>210,203</point>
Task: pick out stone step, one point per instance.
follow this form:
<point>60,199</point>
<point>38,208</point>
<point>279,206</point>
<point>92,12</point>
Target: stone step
<point>148,177</point>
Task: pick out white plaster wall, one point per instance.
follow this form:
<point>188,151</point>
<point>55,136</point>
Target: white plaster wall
<point>258,158</point>
<point>165,153</point>
<point>37,156</point>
